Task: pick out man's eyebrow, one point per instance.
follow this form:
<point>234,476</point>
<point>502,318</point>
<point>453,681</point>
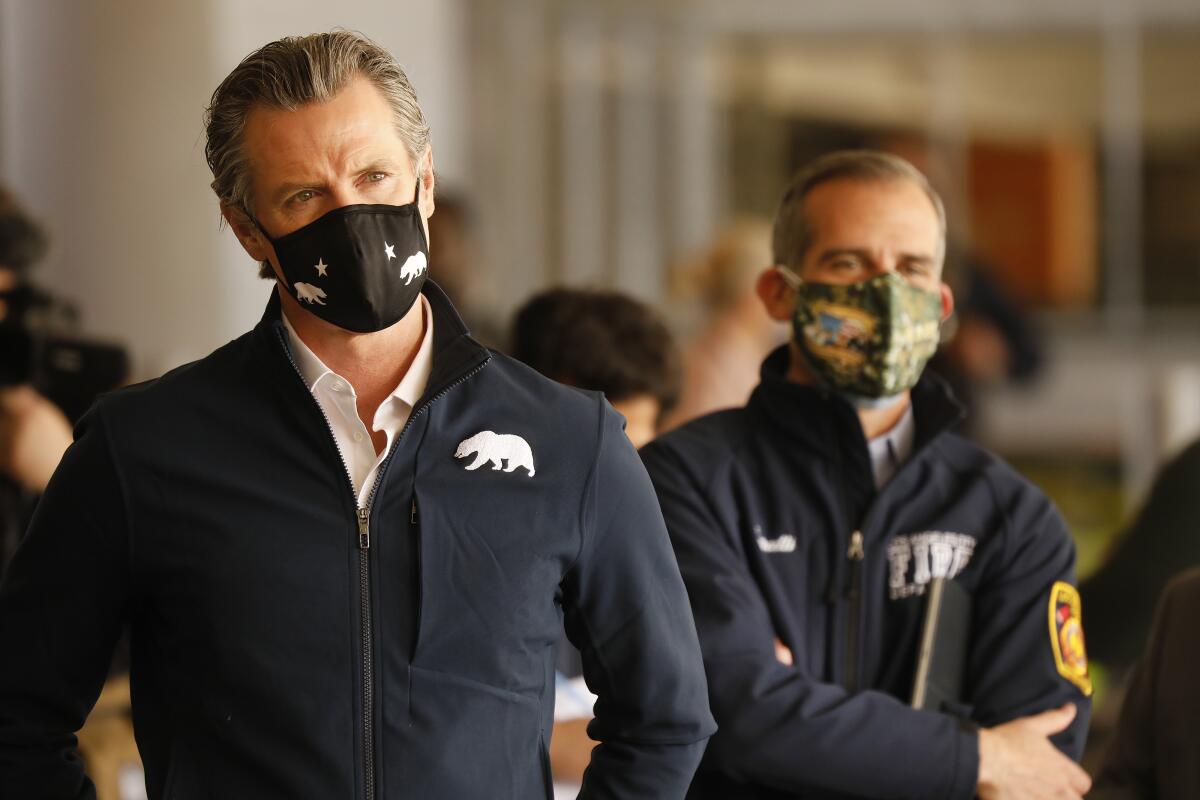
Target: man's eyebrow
<point>378,165</point>
<point>837,252</point>
<point>292,186</point>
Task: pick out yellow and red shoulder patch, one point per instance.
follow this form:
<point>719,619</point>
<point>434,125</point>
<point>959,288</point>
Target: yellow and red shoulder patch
<point>1066,636</point>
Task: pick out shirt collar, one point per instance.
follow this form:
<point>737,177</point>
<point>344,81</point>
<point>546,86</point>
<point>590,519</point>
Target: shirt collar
<point>890,450</point>
<point>814,416</point>
<point>411,386</point>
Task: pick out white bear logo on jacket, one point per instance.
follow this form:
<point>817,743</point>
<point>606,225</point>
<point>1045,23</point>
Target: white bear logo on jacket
<point>497,448</point>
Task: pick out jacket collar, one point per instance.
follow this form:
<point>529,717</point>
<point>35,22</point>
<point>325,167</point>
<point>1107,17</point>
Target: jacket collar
<point>818,417</point>
<point>455,353</point>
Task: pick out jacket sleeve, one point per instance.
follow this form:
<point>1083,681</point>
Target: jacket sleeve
<point>62,603</point>
<point>627,612</point>
<point>1013,670</point>
<point>779,725</point>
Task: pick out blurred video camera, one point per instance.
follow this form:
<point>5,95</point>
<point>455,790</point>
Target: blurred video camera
<point>39,346</point>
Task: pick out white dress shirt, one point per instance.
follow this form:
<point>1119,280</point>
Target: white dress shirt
<point>890,450</point>
<point>338,400</point>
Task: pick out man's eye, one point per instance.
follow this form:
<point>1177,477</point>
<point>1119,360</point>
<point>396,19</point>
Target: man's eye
<point>304,196</point>
<point>844,263</point>
<point>376,177</point>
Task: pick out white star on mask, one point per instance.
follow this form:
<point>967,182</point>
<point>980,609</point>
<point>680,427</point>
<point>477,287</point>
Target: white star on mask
<point>390,249</point>
<point>321,267</point>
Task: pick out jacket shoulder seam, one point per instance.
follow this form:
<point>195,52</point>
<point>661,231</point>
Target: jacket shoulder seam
<point>587,496</point>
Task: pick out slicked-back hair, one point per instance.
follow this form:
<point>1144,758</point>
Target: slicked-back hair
<point>793,232</point>
<point>292,72</point>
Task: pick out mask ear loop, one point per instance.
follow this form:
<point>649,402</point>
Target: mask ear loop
<point>254,220</point>
<point>416,203</point>
<point>793,280</point>
<point>794,283</point>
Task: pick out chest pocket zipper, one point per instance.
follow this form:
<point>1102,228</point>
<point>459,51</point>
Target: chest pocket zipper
<point>855,554</point>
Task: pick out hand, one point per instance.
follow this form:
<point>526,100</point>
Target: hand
<point>34,434</point>
<point>570,750</point>
<point>1017,760</point>
<point>782,654</point>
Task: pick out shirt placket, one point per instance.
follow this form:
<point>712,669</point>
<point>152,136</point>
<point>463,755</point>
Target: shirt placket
<point>358,450</point>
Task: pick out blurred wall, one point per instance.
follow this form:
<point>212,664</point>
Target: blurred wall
<point>101,134</point>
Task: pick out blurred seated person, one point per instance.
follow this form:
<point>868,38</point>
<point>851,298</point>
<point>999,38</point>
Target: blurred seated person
<point>34,433</point>
<point>991,340</point>
<point>1156,752</point>
<point>1162,541</point>
<point>608,342</point>
<point>721,357</point>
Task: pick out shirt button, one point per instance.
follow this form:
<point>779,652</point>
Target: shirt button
<point>358,437</point>
<point>338,386</point>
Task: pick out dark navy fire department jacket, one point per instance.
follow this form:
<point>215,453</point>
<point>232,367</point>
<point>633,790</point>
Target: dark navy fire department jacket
<point>287,644</point>
<point>762,504</point>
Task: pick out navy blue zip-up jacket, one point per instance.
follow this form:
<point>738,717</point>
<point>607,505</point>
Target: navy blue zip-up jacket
<point>287,644</point>
<point>761,504</point>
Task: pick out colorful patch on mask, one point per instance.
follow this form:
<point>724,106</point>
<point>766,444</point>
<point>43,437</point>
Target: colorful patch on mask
<point>870,339</point>
<point>1066,636</point>
<point>840,332</point>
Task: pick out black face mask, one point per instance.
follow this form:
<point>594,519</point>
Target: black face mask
<point>359,267</point>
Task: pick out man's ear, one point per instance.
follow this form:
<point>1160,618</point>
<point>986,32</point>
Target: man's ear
<point>428,179</point>
<point>947,302</point>
<point>778,298</point>
<point>252,239</point>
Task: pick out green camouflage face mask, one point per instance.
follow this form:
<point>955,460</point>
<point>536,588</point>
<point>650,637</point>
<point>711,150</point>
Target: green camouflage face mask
<point>868,340</point>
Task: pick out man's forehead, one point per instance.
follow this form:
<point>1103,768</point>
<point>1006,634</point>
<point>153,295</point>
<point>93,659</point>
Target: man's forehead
<point>856,207</point>
<point>355,127</point>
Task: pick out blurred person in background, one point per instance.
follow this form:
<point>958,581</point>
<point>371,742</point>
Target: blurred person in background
<point>1161,542</point>
<point>34,433</point>
<point>1155,754</point>
<point>733,333</point>
<point>990,340</point>
<point>1121,594</point>
<point>457,266</point>
<point>346,542</point>
<point>809,524</point>
<point>607,342</point>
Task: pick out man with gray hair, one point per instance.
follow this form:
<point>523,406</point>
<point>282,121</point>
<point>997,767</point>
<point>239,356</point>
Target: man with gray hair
<point>810,524</point>
<point>347,542</point>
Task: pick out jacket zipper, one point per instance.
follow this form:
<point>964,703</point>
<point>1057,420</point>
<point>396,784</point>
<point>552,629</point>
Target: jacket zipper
<point>855,554</point>
<point>363,519</point>
<point>367,644</point>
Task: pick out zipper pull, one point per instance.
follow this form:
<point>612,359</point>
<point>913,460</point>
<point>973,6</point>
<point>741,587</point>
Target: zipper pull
<point>855,551</point>
<point>414,511</point>
<point>364,529</point>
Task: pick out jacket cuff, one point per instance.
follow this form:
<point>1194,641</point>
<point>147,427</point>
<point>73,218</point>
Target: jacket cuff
<point>966,761</point>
